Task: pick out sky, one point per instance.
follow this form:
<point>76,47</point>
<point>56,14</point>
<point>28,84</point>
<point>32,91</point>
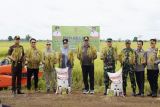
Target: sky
<point>117,18</point>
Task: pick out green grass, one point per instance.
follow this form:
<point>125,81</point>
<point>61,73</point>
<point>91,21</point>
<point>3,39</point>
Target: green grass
<point>77,72</point>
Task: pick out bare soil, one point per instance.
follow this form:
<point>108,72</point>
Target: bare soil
<point>76,99</point>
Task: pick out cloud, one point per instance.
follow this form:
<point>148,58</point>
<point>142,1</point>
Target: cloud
<point>117,18</point>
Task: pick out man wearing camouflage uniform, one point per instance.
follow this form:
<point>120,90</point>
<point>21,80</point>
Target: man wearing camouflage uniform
<point>16,54</point>
<point>49,60</point>
<point>152,67</point>
<point>127,59</point>
<point>109,57</point>
<point>87,54</point>
<point>140,64</point>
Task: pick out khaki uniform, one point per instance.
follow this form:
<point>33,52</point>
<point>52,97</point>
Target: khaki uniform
<point>49,60</point>
<point>16,52</point>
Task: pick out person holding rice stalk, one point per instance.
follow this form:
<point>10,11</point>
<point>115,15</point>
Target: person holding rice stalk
<point>66,59</point>
<point>127,60</point>
<point>140,64</point>
<point>16,54</point>
<point>49,60</point>
<point>152,67</point>
<point>109,57</point>
<point>87,54</point>
<point>33,60</point>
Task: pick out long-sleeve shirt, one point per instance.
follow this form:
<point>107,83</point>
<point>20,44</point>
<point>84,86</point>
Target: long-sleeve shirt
<point>109,57</point>
<point>49,59</point>
<point>151,58</point>
<point>17,52</point>
<point>140,60</point>
<point>34,58</point>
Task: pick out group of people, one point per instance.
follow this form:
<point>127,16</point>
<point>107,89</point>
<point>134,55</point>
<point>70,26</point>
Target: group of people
<point>133,62</point>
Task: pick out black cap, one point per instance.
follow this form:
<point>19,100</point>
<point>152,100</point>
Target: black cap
<point>65,41</point>
<point>109,40</point>
<point>154,40</point>
<point>127,41</point>
<point>86,38</point>
<point>32,39</point>
<point>17,37</point>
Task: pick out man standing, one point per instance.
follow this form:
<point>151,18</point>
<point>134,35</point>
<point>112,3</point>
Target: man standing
<point>66,59</point>
<point>49,60</point>
<point>33,58</point>
<point>16,54</point>
<point>109,57</point>
<point>140,63</point>
<point>127,59</point>
<point>87,54</point>
<point>152,67</point>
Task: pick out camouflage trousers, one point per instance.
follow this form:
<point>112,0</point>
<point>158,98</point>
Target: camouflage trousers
<point>50,77</point>
<point>125,71</point>
<point>107,81</point>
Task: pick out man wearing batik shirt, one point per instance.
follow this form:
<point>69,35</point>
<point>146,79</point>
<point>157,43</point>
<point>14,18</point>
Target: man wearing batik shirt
<point>140,67</point>
<point>152,67</point>
<point>33,60</point>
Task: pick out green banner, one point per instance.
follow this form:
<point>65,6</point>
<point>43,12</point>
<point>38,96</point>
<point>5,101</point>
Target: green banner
<point>75,36</point>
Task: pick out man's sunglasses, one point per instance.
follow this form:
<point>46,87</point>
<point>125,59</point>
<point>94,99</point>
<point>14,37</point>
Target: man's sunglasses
<point>33,42</point>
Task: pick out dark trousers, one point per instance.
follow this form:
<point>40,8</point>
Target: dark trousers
<point>152,76</point>
<point>140,81</point>
<point>31,72</point>
<point>88,70</point>
<point>128,70</point>
<point>16,77</point>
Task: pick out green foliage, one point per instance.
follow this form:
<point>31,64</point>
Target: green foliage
<point>10,38</point>
<point>27,37</point>
<point>135,39</point>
